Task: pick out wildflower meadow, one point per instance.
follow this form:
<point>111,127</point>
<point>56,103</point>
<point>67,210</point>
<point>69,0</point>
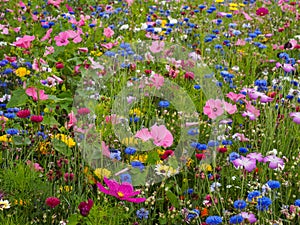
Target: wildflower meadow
<point>149,112</point>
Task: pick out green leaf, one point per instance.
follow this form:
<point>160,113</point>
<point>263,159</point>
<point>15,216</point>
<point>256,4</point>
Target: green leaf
<point>61,147</point>
<point>172,198</point>
<point>138,178</point>
<point>172,161</point>
<point>153,157</point>
<point>50,121</point>
<point>20,141</point>
<point>73,220</point>
<point>18,98</point>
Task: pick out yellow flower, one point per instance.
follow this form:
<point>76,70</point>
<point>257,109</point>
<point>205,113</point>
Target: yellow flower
<point>233,4</point>
<point>189,162</point>
<point>141,158</point>
<point>22,72</point>
<point>135,111</point>
<point>21,202</point>
<point>233,8</point>
<point>66,188</point>
<point>4,138</point>
<point>129,141</point>
<point>165,170</point>
<point>163,23</point>
<point>102,172</point>
<point>67,140</point>
<point>205,167</point>
<point>219,1</point>
<point>241,4</point>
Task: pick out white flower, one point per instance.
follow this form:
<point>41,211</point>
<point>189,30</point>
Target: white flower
<point>4,204</point>
<point>124,27</point>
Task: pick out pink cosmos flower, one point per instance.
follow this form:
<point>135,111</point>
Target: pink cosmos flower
<point>129,2</point>
<point>235,97</point>
<point>160,134</point>
<point>296,117</point>
<point>24,42</point>
<point>240,137</point>
<point>32,92</point>
<point>254,95</point>
<point>247,17</point>
<point>47,35</point>
<point>248,164</point>
<point>252,112</point>
<point>62,39</point>
<point>157,46</point>
<point>35,166</point>
<point>124,191</point>
<point>72,120</point>
<point>229,108</point>
<point>275,162</point>
<point>55,3</point>
<point>49,50</point>
<point>69,8</point>
<point>213,108</point>
<point>157,81</point>
<point>108,32</point>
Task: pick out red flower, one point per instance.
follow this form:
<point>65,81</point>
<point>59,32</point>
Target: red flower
<point>59,65</point>
<point>36,118</point>
<point>166,154</point>
<point>52,202</point>
<point>23,113</point>
<point>83,111</point>
<point>85,207</point>
<point>200,156</point>
<point>262,11</point>
<point>222,150</point>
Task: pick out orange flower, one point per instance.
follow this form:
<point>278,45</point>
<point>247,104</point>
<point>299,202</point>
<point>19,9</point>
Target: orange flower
<point>204,212</point>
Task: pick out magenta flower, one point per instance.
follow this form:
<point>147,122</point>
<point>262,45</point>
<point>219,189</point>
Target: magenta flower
<point>47,35</point>
<point>275,162</point>
<point>122,191</point>
<point>52,202</point>
<point>213,108</point>
<point>255,155</point>
<point>24,42</point>
<point>85,207</point>
<point>247,163</point>
<point>262,11</point>
<point>296,117</point>
<point>252,112</point>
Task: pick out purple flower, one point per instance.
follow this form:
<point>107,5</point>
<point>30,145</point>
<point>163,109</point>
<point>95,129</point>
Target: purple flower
<point>247,163</point>
<point>255,155</point>
<point>275,162</point>
<point>122,191</point>
<point>296,117</point>
<point>85,207</point>
<point>249,216</point>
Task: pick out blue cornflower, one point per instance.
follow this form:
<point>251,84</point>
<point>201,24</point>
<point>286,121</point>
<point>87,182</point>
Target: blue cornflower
<point>137,164</point>
<point>130,150</point>
<point>297,202</point>
<point>263,203</point>
<point>115,154</point>
<point>233,156</point>
<point>243,150</point>
<point>125,177</point>
<point>12,131</point>
<point>189,191</point>
<point>213,220</point>
<point>193,131</point>
<point>134,119</point>
<point>253,194</point>
<point>10,115</point>
<point>212,143</point>
<point>193,214</point>
<point>164,104</point>
<point>236,219</point>
<point>142,213</point>
<point>197,86</point>
<point>273,184</point>
<point>8,71</point>
<point>239,204</point>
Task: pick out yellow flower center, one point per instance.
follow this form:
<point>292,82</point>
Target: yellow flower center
<point>120,194</point>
